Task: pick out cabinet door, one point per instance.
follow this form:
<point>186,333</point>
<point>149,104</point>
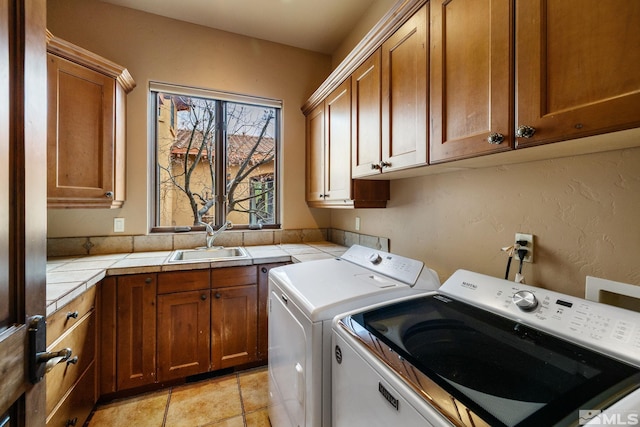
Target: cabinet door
<point>80,135</point>
<point>404,94</point>
<point>338,143</point>
<point>365,123</point>
<point>577,67</point>
<point>315,154</point>
<point>183,334</point>
<point>471,84</point>
<point>234,326</point>
<point>136,330</point>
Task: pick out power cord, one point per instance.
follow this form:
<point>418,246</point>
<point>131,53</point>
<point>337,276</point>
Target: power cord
<point>509,250</point>
<point>522,252</point>
<point>520,248</point>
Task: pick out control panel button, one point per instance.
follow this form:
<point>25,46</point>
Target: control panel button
<point>525,300</point>
<point>375,258</point>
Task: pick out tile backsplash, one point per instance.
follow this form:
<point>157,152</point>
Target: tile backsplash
<point>97,245</point>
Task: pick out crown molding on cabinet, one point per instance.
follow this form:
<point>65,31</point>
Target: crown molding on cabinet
<point>389,23</point>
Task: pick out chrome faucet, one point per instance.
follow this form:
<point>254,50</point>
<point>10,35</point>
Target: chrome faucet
<point>212,234</point>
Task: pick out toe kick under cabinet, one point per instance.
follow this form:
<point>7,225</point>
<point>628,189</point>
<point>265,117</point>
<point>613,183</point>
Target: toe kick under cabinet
<point>71,388</point>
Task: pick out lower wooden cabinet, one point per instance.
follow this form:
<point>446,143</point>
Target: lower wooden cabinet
<point>136,330</point>
<point>234,316</point>
<point>71,385</point>
<point>234,326</point>
<point>165,326</point>
<point>183,324</point>
<point>76,406</point>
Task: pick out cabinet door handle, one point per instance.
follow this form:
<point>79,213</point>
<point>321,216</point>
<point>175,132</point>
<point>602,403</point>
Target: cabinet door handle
<point>203,297</point>
<point>384,164</point>
<point>72,361</point>
<point>217,295</point>
<point>71,422</point>
<point>72,314</point>
<point>525,131</point>
<point>375,166</point>
<point>495,138</point>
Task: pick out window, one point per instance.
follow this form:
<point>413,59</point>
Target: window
<point>215,158</point>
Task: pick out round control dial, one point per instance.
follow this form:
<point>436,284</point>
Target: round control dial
<point>525,300</point>
<point>375,258</point>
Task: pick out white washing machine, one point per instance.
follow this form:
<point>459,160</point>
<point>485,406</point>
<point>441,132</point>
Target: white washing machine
<point>303,300</point>
<point>483,351</point>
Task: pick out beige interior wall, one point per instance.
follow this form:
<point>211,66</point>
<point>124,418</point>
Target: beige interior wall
<point>162,49</point>
<point>377,10</point>
<point>583,212</point>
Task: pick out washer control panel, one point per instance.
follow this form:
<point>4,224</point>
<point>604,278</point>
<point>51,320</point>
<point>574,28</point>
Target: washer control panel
<point>606,328</point>
<point>404,269</point>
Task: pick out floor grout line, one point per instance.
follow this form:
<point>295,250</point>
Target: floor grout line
<point>244,417</point>
<point>166,409</point>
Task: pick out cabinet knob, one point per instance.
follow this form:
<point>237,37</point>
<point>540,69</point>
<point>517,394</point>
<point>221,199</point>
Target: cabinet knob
<point>375,166</point>
<point>72,314</point>
<point>71,422</point>
<point>495,138</point>
<point>148,280</point>
<point>384,164</point>
<point>525,131</point>
<point>217,295</point>
<point>109,194</point>
<point>72,361</point>
<point>264,269</point>
<point>203,297</point>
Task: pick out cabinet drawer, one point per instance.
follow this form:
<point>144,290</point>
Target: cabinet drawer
<point>77,405</point>
<point>234,276</point>
<point>180,281</point>
<point>81,339</point>
<point>63,319</point>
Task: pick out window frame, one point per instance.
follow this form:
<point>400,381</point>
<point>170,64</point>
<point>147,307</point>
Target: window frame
<point>220,205</point>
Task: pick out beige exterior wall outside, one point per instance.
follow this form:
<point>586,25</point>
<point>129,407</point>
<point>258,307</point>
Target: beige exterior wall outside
<point>166,50</point>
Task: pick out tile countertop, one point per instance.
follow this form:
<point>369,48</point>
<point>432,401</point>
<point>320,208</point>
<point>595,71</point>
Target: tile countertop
<point>68,277</point>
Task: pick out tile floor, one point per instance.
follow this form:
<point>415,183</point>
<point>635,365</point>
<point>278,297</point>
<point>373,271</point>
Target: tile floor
<point>235,400</point>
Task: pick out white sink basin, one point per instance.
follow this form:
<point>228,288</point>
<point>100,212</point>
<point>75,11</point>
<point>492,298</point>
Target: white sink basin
<point>211,254</point>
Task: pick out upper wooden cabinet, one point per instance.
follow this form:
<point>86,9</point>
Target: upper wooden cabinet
<point>572,62</point>
<point>329,182</point>
<point>86,128</point>
<point>389,107</point>
<point>498,75</point>
<point>576,68</point>
<point>366,105</point>
<point>471,78</point>
<point>404,95</point>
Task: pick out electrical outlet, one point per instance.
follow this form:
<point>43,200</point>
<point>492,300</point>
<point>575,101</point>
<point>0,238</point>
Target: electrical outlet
<point>118,225</point>
<point>529,239</point>
<point>357,223</point>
